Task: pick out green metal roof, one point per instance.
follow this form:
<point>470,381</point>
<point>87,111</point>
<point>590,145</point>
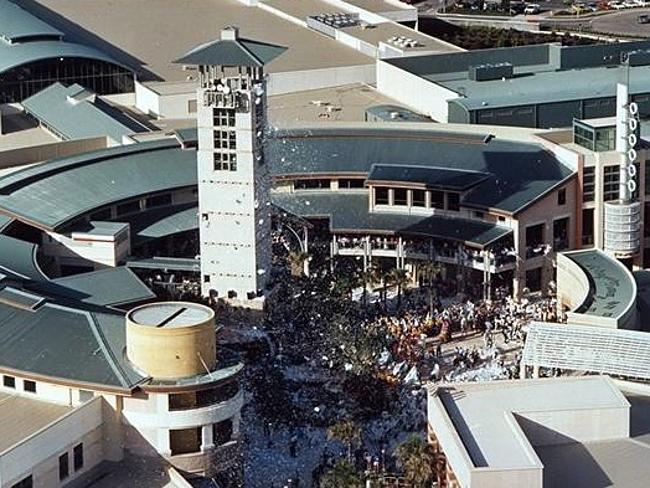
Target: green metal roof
<point>106,287</point>
<point>163,222</point>
<point>66,343</point>
<point>519,173</point>
<point>52,194</point>
<point>15,55</point>
<point>432,177</point>
<point>236,52</point>
<point>19,25</point>
<point>348,212</point>
<point>171,264</point>
<point>611,287</point>
<point>75,113</point>
<point>18,259</point>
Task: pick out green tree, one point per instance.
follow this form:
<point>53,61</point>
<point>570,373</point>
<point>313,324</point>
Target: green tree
<point>368,277</point>
<point>341,475</point>
<point>399,278</point>
<point>417,461</point>
<point>348,432</point>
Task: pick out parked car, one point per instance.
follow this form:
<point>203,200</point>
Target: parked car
<point>643,19</point>
<point>532,9</point>
<point>630,4</point>
<point>616,5</point>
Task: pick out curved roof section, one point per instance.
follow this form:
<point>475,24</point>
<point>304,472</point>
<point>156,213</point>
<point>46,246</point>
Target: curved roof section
<point>52,194</point>
<point>612,288</point>
<point>17,24</point>
<point>18,259</point>
<point>348,212</point>
<point>518,173</point>
<point>14,55</point>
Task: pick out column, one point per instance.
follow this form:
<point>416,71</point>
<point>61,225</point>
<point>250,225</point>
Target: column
<point>163,446</point>
<point>207,438</point>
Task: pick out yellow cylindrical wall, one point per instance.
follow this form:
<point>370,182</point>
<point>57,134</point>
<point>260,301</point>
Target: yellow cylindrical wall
<point>173,351</point>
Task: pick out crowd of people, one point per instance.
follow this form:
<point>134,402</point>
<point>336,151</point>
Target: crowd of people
<point>418,333</point>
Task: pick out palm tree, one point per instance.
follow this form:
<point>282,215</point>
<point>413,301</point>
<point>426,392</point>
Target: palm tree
<point>346,431</point>
<point>430,271</point>
<point>341,475</point>
<point>297,262</point>
<point>399,278</point>
<point>417,461</point>
<point>369,276</point>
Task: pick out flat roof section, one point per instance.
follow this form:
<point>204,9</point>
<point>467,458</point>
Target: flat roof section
<point>479,412</point>
<point>377,33</point>
<point>170,315</point>
<point>132,31</point>
<point>343,103</point>
<point>379,6</point>
<point>22,417</point>
<point>619,464</point>
<point>613,289</point>
<point>301,9</point>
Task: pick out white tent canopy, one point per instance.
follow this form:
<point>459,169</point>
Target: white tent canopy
<point>587,348</point>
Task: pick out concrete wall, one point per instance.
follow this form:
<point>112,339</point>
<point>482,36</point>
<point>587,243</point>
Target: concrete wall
<point>572,283</point>
<point>413,91</point>
<point>295,81</point>
<point>39,454</point>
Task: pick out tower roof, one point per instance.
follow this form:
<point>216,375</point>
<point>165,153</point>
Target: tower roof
<point>232,50</point>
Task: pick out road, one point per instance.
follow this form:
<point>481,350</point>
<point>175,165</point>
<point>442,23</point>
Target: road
<point>622,23</point>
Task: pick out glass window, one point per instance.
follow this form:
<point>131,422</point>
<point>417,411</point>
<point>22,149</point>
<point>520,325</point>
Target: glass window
<point>605,139</point>
<point>419,198</point>
<point>9,381</point>
<point>438,199</point>
<point>224,117</point>
<point>561,197</point>
<point>222,432</point>
<point>64,469</point>
<point>453,201</point>
<point>587,226</point>
<point>159,200</point>
<point>185,441</point>
<point>103,214</point>
<point>78,457</point>
<point>29,386</point>
<point>225,161</point>
<point>127,208</point>
<point>400,196</point>
<point>24,483</point>
<point>316,184</point>
<point>561,234</point>
<point>381,196</point>
<point>203,398</point>
<point>611,178</point>
<point>225,139</point>
<point>647,177</point>
<point>583,136</point>
<point>588,184</point>
<point>351,183</point>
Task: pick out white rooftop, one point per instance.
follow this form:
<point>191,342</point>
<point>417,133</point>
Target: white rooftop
<point>482,413</point>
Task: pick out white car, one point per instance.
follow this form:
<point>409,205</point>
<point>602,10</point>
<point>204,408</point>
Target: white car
<point>630,4</point>
<point>616,5</point>
<point>531,9</point>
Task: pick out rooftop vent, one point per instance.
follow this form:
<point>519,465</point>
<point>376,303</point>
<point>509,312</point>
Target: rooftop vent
<point>403,42</point>
<point>338,20</point>
<point>486,72</point>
